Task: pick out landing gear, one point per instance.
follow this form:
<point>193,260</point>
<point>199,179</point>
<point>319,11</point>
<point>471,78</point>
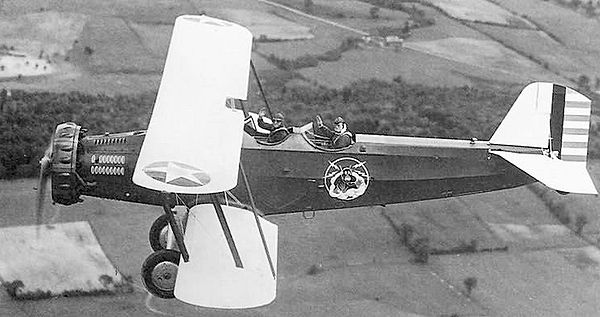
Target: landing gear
<point>159,272</point>
<point>159,233</point>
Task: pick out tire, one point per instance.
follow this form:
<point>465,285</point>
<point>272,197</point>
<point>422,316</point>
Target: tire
<point>158,233</point>
<point>159,272</point>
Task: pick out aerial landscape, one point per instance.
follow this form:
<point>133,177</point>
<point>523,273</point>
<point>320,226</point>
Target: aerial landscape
<point>421,68</point>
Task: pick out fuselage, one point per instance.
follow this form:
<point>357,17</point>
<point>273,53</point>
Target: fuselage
<point>297,176</point>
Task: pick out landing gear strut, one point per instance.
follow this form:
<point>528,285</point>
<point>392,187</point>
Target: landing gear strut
<point>159,271</point>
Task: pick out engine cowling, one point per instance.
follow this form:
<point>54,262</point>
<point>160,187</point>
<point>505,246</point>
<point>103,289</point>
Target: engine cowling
<point>66,183</point>
<point>97,165</point>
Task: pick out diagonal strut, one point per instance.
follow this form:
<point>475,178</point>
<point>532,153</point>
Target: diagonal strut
<point>234,252</point>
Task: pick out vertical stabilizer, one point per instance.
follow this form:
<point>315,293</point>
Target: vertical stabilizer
<point>546,134</point>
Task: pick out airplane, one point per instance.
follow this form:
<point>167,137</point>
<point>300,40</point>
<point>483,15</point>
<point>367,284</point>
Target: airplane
<point>202,153</point>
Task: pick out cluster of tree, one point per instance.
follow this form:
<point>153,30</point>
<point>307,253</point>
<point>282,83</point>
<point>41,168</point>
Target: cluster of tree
<point>584,84</point>
<point>4,47</point>
<point>402,32</point>
<point>320,10</point>
<point>304,61</point>
<point>388,4</point>
<point>28,120</point>
<point>399,108</point>
<point>312,60</point>
<point>588,7</point>
<point>309,6</point>
<point>557,206</point>
<point>418,245</point>
<point>417,16</point>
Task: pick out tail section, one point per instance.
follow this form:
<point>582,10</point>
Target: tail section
<point>545,134</point>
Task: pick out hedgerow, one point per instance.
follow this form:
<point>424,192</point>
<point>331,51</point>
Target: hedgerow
<point>369,106</point>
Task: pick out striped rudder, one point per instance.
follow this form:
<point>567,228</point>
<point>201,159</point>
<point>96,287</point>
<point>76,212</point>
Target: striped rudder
<point>570,126</point>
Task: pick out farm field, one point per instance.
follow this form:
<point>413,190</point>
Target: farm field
<point>325,38</point>
<point>573,29</point>
<point>567,61</point>
<point>113,53</point>
<point>536,283</point>
<point>267,26</point>
<point>356,14</point>
<point>42,33</point>
<point>413,67</point>
<point>337,8</point>
<point>444,27</point>
<point>479,11</point>
<point>429,64</point>
<point>155,37</point>
<point>361,266</point>
<point>116,49</point>
<point>484,54</point>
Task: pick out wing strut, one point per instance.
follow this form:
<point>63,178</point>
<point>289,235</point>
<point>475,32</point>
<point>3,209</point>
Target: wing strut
<point>234,252</point>
<point>177,232</point>
<point>260,230</point>
<point>260,87</point>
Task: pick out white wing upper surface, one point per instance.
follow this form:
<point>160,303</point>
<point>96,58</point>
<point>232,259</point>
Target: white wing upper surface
<point>193,141</point>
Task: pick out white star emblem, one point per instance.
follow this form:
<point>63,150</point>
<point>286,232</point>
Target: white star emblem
<point>175,173</point>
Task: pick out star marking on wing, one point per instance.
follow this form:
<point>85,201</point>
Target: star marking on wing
<point>175,173</point>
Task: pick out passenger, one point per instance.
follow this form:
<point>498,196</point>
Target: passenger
<point>278,130</point>
<point>340,136</point>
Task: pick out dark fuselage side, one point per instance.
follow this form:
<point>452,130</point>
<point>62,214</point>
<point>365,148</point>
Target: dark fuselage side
<point>290,176</point>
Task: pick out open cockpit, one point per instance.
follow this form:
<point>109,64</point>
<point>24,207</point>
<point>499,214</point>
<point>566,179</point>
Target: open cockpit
<point>307,132</point>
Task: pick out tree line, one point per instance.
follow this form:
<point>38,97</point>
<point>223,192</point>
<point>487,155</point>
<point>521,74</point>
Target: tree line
<point>28,119</point>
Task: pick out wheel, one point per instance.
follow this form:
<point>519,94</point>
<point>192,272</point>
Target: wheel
<point>159,232</point>
<point>159,272</point>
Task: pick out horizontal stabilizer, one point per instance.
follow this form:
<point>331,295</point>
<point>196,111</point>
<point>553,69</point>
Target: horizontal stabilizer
<point>565,176</point>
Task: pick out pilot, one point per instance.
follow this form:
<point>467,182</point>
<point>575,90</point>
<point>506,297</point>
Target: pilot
<point>340,136</point>
<point>278,130</point>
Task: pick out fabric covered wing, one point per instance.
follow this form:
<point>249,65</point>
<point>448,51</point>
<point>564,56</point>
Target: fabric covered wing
<point>193,141</point>
<point>211,278</point>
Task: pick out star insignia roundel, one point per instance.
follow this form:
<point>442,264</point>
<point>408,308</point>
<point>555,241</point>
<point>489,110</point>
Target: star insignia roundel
<point>176,173</point>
